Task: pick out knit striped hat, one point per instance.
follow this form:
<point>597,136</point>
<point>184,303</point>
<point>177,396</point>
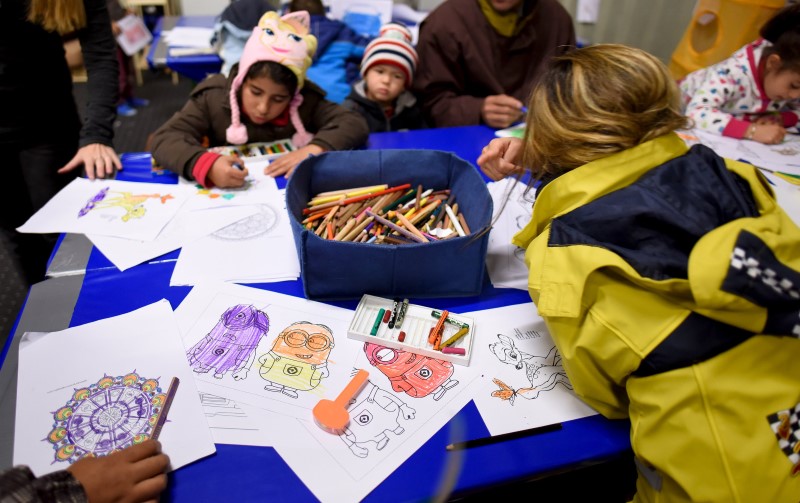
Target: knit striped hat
<point>392,47</point>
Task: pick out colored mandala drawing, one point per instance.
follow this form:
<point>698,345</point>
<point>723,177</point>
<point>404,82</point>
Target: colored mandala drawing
<point>113,413</point>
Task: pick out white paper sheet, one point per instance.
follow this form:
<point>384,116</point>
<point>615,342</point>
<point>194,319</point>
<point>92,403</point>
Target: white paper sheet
<point>258,188</point>
<point>96,386</point>
<point>515,353</point>
<point>386,426</point>
<point>189,36</point>
<point>257,249</point>
<point>504,260</point>
<point>129,210</point>
<point>236,423</point>
<point>186,227</point>
<point>274,351</point>
<point>134,35</point>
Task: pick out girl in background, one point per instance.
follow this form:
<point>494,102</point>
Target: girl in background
<point>265,98</point>
<point>754,94</point>
<point>667,276</point>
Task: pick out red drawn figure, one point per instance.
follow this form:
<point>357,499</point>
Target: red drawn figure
<point>230,346</point>
<point>416,375</point>
<point>298,360</point>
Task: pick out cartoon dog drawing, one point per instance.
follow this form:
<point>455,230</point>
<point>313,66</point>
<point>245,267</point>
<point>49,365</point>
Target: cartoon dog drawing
<point>543,372</point>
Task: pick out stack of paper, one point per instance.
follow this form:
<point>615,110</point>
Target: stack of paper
<point>226,234</point>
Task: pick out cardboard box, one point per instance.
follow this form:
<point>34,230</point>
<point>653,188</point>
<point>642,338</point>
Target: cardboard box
<point>333,270</point>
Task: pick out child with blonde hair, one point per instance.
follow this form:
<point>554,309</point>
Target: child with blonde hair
<point>264,98</point>
<point>667,276</point>
<point>754,94</point>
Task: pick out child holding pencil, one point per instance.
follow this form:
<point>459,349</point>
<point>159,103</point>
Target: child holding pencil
<point>265,98</point>
<point>754,94</point>
<point>667,276</point>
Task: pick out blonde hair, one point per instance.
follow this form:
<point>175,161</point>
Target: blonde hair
<point>62,16</point>
<point>597,101</point>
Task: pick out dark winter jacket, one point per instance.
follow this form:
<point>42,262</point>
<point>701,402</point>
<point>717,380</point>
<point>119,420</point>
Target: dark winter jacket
<point>407,115</point>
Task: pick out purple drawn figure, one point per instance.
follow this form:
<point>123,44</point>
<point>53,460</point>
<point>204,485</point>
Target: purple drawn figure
<point>373,413</point>
<point>230,346</point>
<point>90,204</point>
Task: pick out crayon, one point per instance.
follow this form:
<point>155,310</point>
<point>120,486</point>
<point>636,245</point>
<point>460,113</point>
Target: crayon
<point>399,229</point>
<point>401,314</point>
<point>447,350</point>
<point>454,220</point>
<point>456,336</point>
<point>355,199</point>
<point>395,307</point>
<point>438,314</point>
<point>402,336</point>
<point>377,323</point>
<point>386,315</point>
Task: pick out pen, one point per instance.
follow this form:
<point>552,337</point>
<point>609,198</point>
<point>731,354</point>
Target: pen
<point>238,166</point>
<point>524,110</point>
<point>162,414</point>
<point>501,438</point>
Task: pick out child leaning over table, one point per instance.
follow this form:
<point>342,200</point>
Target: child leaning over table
<point>753,94</point>
<point>668,277</point>
<point>265,98</point>
<point>387,69</point>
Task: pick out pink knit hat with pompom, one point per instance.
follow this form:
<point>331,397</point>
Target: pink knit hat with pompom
<point>285,40</point>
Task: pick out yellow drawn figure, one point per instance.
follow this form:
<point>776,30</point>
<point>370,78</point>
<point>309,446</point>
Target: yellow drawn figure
<point>133,204</point>
<point>298,360</point>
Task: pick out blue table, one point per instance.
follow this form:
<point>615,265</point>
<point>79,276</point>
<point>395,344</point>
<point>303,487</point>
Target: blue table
<point>242,473</point>
<point>197,66</point>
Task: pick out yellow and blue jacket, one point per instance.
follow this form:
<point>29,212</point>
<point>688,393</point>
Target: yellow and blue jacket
<point>669,279</point>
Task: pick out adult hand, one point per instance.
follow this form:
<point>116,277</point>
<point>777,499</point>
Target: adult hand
<point>225,175</point>
<point>130,475</point>
<point>285,164</point>
<point>500,111</point>
<point>770,134</point>
<point>98,159</point>
<point>500,158</point>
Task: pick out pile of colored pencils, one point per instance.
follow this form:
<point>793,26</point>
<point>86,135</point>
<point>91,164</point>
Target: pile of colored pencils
<point>385,215</point>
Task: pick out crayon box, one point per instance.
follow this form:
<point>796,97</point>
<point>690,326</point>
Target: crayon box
<point>332,270</point>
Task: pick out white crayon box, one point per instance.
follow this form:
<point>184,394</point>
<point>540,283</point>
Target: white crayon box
<point>408,327</point>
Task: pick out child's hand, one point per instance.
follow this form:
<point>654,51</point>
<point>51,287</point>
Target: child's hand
<point>98,159</point>
<point>133,474</point>
<point>769,119</point>
<point>285,164</point>
<point>770,134</point>
<point>499,158</point>
<point>225,175</point>
<point>500,111</point>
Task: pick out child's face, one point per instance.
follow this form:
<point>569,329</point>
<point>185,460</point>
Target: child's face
<point>780,85</point>
<point>384,83</point>
<point>263,100</point>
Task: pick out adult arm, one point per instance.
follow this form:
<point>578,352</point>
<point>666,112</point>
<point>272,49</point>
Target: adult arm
<point>19,484</point>
<point>96,150</point>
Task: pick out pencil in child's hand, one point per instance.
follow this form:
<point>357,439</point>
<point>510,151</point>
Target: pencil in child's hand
<point>162,414</point>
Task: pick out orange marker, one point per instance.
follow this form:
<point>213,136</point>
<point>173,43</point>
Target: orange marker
<point>332,415</point>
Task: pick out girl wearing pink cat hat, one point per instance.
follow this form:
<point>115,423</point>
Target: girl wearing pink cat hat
<point>265,98</point>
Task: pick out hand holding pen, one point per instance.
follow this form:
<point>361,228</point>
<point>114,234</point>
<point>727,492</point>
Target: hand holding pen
<point>228,171</point>
<point>501,111</point>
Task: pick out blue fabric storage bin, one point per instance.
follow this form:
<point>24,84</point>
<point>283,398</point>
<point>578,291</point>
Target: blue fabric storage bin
<point>333,270</point>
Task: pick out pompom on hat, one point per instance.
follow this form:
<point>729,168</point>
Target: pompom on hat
<point>285,40</point>
<point>392,47</point>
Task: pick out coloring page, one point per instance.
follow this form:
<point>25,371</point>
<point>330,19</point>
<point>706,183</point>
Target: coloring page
<point>129,210</point>
<point>266,349</point>
<point>110,383</point>
<point>523,384</point>
<point>257,188</point>
<point>181,230</point>
<point>505,261</point>
<point>407,399</point>
<point>257,249</point>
